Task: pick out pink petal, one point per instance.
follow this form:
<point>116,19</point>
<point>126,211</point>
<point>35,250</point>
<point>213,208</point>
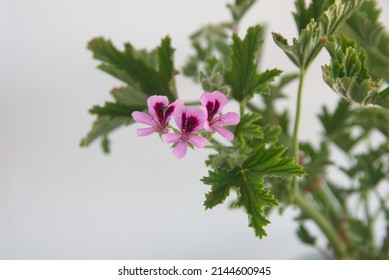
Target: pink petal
<point>144,118</point>
<point>207,127</point>
<point>190,112</point>
<point>207,97</point>
<point>173,106</point>
<point>171,137</point>
<point>230,118</point>
<point>198,141</point>
<point>197,113</point>
<point>222,100</point>
<point>224,132</point>
<point>178,115</point>
<point>146,131</point>
<point>152,100</point>
<point>180,150</point>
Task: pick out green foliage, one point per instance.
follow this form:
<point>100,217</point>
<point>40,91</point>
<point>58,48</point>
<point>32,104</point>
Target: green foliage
<point>305,48</point>
<point>248,181</point>
<point>243,77</point>
<point>209,41</point>
<point>256,164</point>
<point>348,76</point>
<point>364,26</point>
<point>304,14</point>
<point>338,126</point>
<point>240,8</point>
<point>305,236</point>
<point>145,73</point>
<point>212,78</point>
<point>248,129</point>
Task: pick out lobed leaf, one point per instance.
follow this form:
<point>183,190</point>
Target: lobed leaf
<point>243,77</point>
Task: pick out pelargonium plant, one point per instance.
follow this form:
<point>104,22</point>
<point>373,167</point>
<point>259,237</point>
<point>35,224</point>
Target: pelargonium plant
<point>263,160</point>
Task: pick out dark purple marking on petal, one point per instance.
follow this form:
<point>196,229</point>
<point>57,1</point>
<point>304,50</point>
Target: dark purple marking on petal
<point>188,124</point>
<point>212,109</point>
<point>169,111</point>
<point>159,110</point>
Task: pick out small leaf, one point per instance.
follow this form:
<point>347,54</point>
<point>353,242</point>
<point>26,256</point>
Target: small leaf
<point>105,145</point>
<point>212,78</point>
<point>305,236</point>
<point>240,8</point>
<point>247,128</point>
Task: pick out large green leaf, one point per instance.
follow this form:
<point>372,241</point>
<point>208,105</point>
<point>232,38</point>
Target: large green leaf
<point>243,76</point>
<point>248,181</point>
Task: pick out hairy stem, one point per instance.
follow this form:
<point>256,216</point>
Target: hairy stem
<point>307,208</point>
<point>297,117</point>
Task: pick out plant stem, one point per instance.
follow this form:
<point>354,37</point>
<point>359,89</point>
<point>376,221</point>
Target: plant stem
<point>298,116</point>
<point>192,103</point>
<point>323,223</point>
<point>307,208</point>
<point>242,107</point>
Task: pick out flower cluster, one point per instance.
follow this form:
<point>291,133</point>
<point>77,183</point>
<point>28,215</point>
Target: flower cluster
<point>190,121</point>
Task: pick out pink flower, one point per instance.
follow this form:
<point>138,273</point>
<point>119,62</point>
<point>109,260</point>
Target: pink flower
<point>160,114</point>
<point>213,105</point>
<point>189,121</point>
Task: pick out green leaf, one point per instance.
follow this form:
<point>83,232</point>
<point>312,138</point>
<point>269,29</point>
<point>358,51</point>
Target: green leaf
<point>338,126</point>
<point>305,236</point>
<point>102,127</point>
<point>248,128</point>
<point>209,41</point>
<point>364,26</point>
<point>305,48</point>
<point>131,65</point>
<point>271,161</point>
<point>243,76</point>
<point>373,117</point>
<point>248,181</point>
<point>114,110</point>
<point>240,8</point>
<point>253,196</point>
<point>348,76</point>
<point>221,182</point>
<point>105,145</point>
<point>212,78</point>
<point>304,14</point>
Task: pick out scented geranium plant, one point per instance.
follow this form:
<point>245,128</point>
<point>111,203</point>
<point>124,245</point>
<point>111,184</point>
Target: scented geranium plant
<point>262,158</point>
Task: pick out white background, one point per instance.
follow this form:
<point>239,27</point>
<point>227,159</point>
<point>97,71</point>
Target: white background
<point>60,201</point>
